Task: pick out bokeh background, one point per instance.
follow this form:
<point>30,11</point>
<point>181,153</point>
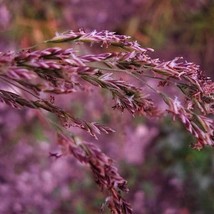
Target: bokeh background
<point>164,174</point>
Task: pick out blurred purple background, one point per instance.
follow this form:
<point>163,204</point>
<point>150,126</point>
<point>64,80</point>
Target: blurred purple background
<point>164,175</point>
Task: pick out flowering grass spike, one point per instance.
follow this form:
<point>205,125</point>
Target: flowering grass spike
<point>126,70</point>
